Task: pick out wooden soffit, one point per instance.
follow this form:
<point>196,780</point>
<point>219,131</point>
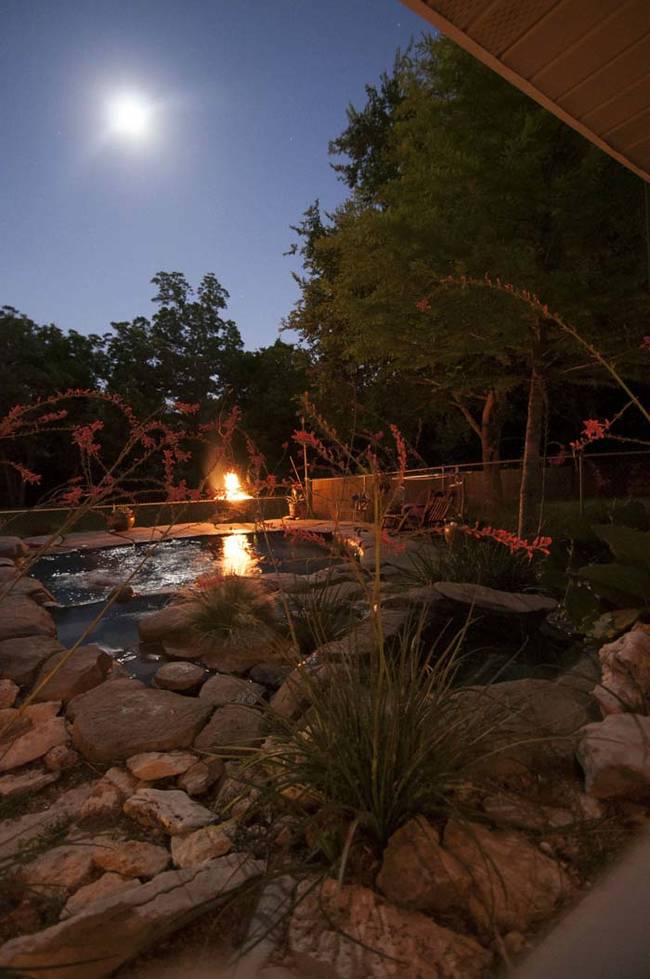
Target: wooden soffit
<point>587,61</point>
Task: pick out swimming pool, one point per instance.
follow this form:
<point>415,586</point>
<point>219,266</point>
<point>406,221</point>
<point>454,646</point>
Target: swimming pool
<point>81,577</point>
<point>81,581</point>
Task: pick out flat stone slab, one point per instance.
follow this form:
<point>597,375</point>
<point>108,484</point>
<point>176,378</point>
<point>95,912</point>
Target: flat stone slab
<point>222,690</point>
<point>15,834</point>
<point>130,858</point>
<point>59,870</point>
<point>152,765</point>
<point>122,718</point>
<point>25,783</point>
<point>203,844</point>
<point>116,928</point>
<point>107,884</point>
<point>168,809</point>
<point>46,731</point>
<point>492,600</point>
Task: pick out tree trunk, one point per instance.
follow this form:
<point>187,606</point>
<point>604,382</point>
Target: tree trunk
<point>489,432</point>
<point>491,448</point>
<point>532,474</point>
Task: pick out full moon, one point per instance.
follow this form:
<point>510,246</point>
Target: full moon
<point>129,116</point>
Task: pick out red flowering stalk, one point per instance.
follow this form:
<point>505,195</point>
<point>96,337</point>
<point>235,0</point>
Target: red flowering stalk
<point>592,431</point>
<point>400,446</point>
<point>513,542</point>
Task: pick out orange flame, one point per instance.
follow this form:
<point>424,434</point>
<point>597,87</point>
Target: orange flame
<point>232,489</point>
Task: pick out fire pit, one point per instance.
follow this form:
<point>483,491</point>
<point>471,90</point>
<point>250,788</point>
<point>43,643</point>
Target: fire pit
<point>234,504</point>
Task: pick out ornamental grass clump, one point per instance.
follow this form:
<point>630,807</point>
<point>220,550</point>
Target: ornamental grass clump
<point>319,616</point>
<point>384,739</point>
<point>223,607</point>
<point>476,561</point>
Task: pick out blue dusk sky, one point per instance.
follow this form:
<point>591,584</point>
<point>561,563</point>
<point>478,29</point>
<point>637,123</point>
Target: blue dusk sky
<point>240,99</point>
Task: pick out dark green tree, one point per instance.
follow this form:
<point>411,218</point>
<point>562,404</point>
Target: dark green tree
<point>454,172</point>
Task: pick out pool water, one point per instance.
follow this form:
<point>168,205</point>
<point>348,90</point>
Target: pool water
<point>81,577</point>
<point>80,581</point>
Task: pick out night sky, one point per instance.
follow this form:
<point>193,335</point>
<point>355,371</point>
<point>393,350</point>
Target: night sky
<point>245,96</point>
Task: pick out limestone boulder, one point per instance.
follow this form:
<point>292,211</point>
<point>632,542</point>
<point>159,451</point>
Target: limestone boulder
<point>130,858</point>
<point>233,728</point>
<point>203,844</point>
<point>106,885</point>
<point>123,718</point>
<point>17,833</point>
<point>244,650</point>
<point>221,690</point>
<point>58,871</point>
<point>615,757</point>
<point>8,693</point>
<point>531,725</point>
<point>25,587</point>
<point>172,623</point>
<point>179,676</point>
<point>270,675</point>
<point>417,873</point>
<point>123,780</point>
<point>513,884</point>
<point>351,932</point>
<point>22,658</point>
<point>71,674</point>
<point>152,765</point>
<point>201,776</point>
<point>21,617</point>
<point>13,547</point>
<point>118,927</point>
<point>520,813</point>
<point>167,809</point>
<point>25,783</point>
<point>46,731</point>
<point>61,758</point>
<point>104,801</point>
<point>625,684</point>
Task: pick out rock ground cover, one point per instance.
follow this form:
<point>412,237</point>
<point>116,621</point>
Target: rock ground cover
<point>116,806</point>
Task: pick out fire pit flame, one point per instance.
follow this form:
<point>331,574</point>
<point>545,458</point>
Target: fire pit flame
<point>232,489</point>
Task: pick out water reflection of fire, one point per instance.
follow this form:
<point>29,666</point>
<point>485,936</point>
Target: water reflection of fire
<point>232,490</point>
<point>237,557</point>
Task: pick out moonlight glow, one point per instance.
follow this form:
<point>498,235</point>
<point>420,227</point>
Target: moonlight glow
<point>130,116</point>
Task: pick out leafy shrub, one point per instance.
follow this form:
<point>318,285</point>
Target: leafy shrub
<point>603,599</point>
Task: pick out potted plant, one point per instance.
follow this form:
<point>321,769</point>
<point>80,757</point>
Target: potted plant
<point>121,518</point>
<point>295,502</point>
